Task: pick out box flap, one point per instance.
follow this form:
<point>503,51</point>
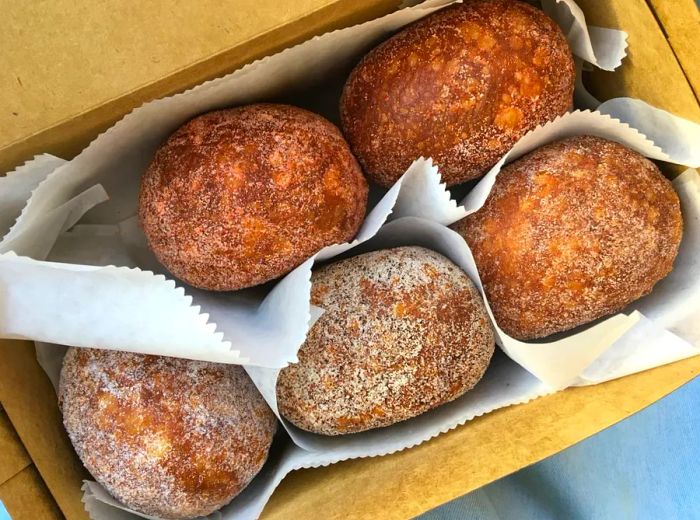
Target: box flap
<point>13,456</point>
<point>26,498</point>
<point>680,20</point>
<point>30,402</point>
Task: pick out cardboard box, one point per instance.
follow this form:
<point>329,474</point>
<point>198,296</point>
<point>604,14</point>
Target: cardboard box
<point>22,491</point>
<point>680,22</point>
<point>77,68</point>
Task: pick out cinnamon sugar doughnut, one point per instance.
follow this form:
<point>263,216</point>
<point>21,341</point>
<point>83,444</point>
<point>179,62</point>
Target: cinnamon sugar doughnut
<point>238,197</point>
<point>404,330</point>
<point>167,437</point>
<point>462,85</point>
<point>573,231</point>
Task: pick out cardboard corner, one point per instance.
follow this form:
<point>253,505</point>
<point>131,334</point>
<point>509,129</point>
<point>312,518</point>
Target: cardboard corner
<point>680,21</point>
<point>650,71</point>
<point>29,400</point>
<point>26,497</point>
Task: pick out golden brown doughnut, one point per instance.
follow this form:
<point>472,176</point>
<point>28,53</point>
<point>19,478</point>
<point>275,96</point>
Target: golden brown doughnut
<point>404,330</point>
<point>167,437</point>
<point>573,231</point>
<point>462,85</point>
<point>238,197</point>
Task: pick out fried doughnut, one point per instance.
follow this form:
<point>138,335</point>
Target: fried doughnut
<point>238,197</point>
<point>462,85</point>
<point>167,437</point>
<point>573,231</point>
<point>404,331</point>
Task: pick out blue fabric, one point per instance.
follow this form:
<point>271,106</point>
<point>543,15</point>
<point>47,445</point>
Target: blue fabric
<point>646,467</point>
<point>4,515</point>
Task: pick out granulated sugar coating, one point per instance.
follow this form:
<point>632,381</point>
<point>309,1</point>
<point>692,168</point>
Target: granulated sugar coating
<point>575,230</point>
<point>239,197</point>
<point>167,437</point>
<point>461,86</point>
<point>404,331</point>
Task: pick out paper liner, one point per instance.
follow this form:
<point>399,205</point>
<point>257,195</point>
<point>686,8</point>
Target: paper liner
<point>602,47</point>
<point>17,186</point>
<point>677,137</point>
<point>34,235</point>
<point>35,312</point>
<point>39,235</point>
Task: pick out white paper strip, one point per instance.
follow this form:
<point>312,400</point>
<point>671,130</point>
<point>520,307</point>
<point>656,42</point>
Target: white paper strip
<point>604,48</point>
<point>17,186</point>
<point>677,137</point>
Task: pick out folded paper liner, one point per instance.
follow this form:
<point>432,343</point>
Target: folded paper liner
<point>65,301</point>
<point>67,190</point>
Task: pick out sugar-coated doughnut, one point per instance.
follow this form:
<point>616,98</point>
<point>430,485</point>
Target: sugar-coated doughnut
<point>461,85</point>
<point>573,231</point>
<point>404,330</point>
<point>238,197</point>
<point>167,437</point>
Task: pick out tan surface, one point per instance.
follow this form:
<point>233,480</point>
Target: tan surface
<point>396,486</point>
<point>650,71</point>
<point>681,22</point>
<point>75,69</point>
<point>13,456</point>
<point>26,498</point>
<point>30,402</point>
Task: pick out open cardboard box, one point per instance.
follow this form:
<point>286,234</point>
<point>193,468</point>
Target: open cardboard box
<point>76,69</point>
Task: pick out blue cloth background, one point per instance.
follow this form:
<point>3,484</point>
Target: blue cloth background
<point>646,467</point>
<point>3,512</point>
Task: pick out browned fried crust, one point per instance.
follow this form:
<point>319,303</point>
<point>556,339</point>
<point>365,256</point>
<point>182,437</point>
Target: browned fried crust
<point>573,231</point>
<point>404,331</point>
<point>239,197</point>
<point>461,86</point>
<point>167,437</point>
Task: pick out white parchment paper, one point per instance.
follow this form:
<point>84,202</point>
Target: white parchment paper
<point>17,186</point>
